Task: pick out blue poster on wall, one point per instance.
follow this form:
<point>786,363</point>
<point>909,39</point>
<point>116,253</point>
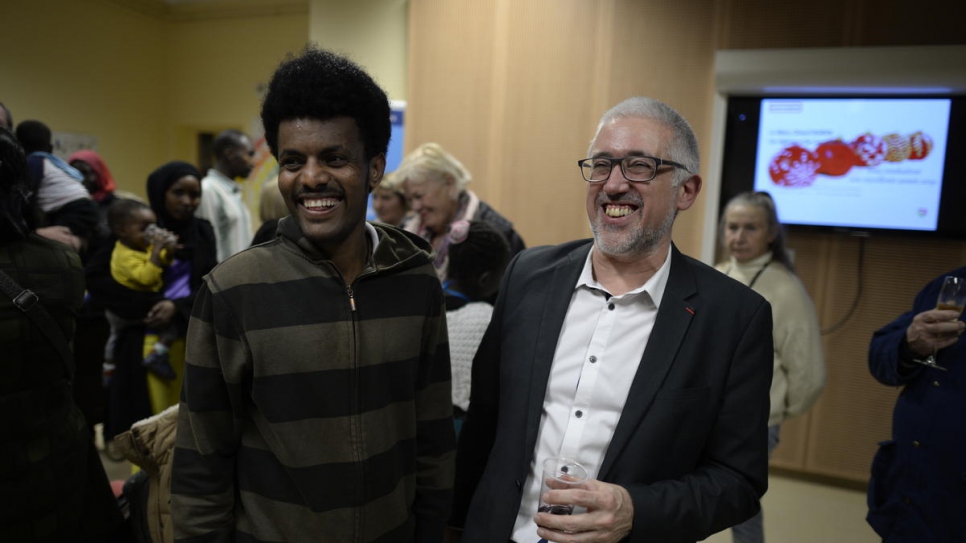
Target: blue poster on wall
<point>394,155</point>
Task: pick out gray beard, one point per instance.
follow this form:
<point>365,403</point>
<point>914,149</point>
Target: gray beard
<point>632,243</point>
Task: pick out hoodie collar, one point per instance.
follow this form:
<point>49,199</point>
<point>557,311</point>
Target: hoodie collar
<point>391,247</point>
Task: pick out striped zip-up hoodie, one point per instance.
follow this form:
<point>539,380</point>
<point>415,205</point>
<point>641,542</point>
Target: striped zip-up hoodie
<point>312,410</point>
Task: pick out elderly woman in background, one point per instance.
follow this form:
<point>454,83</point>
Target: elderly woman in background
<point>753,237</point>
<point>389,201</point>
<point>435,185</point>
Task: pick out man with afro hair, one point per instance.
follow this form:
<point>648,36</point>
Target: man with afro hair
<point>316,400</point>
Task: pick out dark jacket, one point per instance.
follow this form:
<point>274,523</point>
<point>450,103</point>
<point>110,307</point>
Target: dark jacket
<point>52,485</point>
<point>313,410</point>
<point>917,493</point>
<point>503,225</point>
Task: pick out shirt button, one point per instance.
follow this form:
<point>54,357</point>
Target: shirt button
<point>935,384</point>
<point>579,413</point>
<point>611,307</point>
<point>593,359</point>
<point>915,444</point>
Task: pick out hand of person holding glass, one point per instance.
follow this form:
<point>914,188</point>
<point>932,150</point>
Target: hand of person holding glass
<point>934,330</point>
<point>609,516</point>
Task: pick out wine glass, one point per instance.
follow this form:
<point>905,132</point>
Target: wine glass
<point>952,297</point>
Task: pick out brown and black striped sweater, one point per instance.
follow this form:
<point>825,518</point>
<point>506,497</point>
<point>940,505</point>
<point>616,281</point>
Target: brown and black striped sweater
<point>312,410</point>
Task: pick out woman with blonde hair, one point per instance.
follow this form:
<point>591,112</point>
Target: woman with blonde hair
<point>435,183</point>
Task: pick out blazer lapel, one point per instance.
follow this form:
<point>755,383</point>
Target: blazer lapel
<point>555,298</point>
<point>673,318</point>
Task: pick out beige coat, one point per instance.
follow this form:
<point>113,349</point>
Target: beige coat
<point>149,444</point>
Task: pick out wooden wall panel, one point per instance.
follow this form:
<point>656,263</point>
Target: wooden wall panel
<point>854,414</point>
<point>551,55</point>
<point>451,88</point>
<point>652,55</point>
<point>839,435</point>
<point>519,103</point>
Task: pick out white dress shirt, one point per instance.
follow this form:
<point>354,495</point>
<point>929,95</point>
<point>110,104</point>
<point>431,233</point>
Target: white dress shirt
<point>222,205</point>
<point>599,349</point>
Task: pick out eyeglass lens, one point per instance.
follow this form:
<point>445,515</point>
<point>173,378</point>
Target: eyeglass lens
<point>634,168</point>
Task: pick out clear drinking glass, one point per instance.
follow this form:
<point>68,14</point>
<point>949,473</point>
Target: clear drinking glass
<point>952,296</point>
<point>560,472</point>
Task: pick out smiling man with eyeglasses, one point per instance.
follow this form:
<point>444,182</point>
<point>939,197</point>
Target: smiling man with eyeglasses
<point>647,367</point>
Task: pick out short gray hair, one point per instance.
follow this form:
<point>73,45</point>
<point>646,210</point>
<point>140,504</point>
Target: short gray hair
<point>683,147</point>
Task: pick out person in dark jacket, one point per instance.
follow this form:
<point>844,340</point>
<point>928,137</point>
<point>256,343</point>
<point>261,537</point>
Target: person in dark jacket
<point>52,485</point>
<point>917,493</point>
<point>435,183</point>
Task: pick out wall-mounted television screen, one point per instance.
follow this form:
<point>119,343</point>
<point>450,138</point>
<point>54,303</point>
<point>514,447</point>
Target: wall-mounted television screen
<point>854,164</point>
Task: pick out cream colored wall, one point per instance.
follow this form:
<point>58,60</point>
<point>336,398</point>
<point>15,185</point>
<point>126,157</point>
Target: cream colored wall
<point>370,32</point>
<point>142,84</point>
<point>216,71</point>
<point>91,68</point>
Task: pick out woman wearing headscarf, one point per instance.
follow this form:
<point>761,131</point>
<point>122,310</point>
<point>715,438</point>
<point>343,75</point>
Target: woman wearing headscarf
<point>103,190</point>
<point>435,183</point>
<point>97,178</point>
<point>52,484</point>
<point>174,191</point>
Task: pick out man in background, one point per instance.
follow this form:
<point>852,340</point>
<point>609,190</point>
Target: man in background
<point>646,366</point>
<point>221,201</point>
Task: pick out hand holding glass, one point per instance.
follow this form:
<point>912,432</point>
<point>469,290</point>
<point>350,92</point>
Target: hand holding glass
<point>559,473</point>
<point>952,297</point>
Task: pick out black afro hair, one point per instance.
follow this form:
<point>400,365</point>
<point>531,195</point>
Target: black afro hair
<point>319,84</point>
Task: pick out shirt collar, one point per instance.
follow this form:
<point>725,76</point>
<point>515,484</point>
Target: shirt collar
<point>223,179</point>
<point>654,287</point>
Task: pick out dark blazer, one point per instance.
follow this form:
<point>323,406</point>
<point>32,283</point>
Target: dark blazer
<point>691,443</point>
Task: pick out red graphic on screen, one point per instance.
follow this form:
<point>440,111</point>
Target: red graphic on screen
<point>835,158</point>
<point>869,149</point>
<point>919,145</point>
<point>796,166</point>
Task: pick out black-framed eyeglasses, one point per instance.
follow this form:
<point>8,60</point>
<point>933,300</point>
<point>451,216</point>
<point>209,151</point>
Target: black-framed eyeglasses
<point>636,168</point>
